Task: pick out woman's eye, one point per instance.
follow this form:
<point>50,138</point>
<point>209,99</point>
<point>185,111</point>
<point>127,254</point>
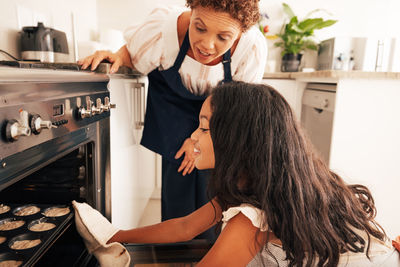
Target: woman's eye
<point>204,130</point>
<point>201,29</point>
<point>222,38</point>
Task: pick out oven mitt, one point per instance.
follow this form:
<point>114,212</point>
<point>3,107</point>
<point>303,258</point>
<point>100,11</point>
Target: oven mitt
<point>96,230</point>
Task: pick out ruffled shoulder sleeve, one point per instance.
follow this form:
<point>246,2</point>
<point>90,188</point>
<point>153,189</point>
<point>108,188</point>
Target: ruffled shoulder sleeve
<point>250,57</point>
<point>152,41</point>
<point>255,215</point>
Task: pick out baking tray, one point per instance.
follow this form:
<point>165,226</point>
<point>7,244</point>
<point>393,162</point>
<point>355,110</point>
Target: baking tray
<point>31,255</point>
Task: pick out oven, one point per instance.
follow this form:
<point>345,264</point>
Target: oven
<point>54,148</point>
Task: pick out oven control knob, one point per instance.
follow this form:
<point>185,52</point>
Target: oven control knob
<point>37,124</point>
<point>98,109</point>
<point>15,129</point>
<point>108,105</point>
<point>86,112</point>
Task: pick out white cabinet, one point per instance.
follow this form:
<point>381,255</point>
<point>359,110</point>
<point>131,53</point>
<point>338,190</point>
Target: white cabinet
<point>365,142</point>
<point>291,90</point>
<point>133,167</point>
<point>365,132</point>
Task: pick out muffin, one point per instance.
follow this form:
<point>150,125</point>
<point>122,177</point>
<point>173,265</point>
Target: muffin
<point>4,208</point>
<point>41,225</point>
<point>10,263</point>
<point>56,211</point>
<point>10,224</point>
<point>26,210</point>
<point>25,244</point>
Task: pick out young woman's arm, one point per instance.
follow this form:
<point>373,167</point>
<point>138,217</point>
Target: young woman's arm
<point>235,245</point>
<point>174,230</point>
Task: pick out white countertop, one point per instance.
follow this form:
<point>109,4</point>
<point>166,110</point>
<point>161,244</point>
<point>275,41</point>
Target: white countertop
<point>101,74</point>
<point>332,74</point>
<point>12,74</point>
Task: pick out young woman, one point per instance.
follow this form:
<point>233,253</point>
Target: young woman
<point>186,53</point>
<point>277,202</point>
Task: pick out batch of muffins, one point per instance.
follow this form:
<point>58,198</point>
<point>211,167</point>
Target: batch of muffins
<point>25,229</point>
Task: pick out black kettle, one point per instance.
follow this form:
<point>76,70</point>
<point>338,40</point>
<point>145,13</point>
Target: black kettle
<point>44,44</point>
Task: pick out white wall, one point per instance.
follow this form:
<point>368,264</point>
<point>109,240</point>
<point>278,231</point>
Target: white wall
<point>356,18</point>
<point>54,13</point>
<point>118,14</point>
<point>365,143</point>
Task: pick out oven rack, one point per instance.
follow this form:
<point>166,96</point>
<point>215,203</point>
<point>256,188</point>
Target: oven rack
<point>31,255</point>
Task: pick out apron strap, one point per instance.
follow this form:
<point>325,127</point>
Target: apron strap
<point>226,59</point>
<point>182,51</point>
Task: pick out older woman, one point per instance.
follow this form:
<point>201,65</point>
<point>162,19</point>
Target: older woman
<point>185,53</point>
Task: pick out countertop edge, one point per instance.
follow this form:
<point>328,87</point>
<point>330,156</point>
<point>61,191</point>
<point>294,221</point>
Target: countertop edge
<point>335,74</point>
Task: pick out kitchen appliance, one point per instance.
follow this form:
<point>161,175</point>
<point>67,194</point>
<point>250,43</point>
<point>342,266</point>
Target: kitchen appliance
<point>47,166</point>
<point>54,148</point>
<point>317,115</point>
<point>44,44</point>
<point>358,53</point>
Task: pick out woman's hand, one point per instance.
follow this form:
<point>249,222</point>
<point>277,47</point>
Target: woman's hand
<point>187,164</point>
<point>118,59</point>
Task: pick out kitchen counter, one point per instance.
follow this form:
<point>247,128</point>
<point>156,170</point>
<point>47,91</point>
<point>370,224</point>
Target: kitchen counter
<point>332,74</point>
<point>59,72</point>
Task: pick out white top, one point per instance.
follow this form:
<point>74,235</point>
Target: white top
<point>155,44</point>
<point>381,253</point>
<point>255,215</point>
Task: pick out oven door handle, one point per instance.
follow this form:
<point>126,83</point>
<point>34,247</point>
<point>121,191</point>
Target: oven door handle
<point>139,105</point>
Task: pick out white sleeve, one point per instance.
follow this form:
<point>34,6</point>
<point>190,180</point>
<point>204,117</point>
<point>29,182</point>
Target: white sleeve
<point>253,58</point>
<point>253,214</point>
<point>146,42</point>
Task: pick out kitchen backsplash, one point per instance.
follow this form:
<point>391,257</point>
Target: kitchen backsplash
<point>93,17</point>
<point>53,13</point>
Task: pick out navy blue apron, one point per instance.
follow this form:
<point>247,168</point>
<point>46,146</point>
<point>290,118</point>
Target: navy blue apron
<point>172,114</point>
<point>172,111</point>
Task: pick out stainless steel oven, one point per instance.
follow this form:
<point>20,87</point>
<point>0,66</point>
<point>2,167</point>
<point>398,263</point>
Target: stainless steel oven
<point>54,148</point>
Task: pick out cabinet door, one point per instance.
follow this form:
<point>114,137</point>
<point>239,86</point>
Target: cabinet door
<point>146,158</point>
<point>132,166</point>
<point>289,89</point>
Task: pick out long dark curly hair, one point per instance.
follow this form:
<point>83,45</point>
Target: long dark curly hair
<point>263,158</point>
<point>245,11</point>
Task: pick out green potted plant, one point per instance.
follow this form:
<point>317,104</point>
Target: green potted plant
<point>296,36</point>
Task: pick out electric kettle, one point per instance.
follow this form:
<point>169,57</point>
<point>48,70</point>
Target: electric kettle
<point>43,44</point>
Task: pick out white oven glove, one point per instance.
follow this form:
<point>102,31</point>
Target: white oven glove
<point>96,230</point>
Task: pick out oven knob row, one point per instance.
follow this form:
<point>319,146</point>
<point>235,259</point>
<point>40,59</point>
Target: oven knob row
<point>27,124</point>
<point>37,124</point>
<point>95,109</point>
<point>17,128</point>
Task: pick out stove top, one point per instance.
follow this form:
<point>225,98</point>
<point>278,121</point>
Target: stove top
<point>40,65</point>
<point>103,68</point>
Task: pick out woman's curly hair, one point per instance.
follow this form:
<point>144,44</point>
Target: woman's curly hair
<point>245,11</point>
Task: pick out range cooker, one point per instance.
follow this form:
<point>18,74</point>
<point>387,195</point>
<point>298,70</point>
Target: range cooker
<point>54,148</point>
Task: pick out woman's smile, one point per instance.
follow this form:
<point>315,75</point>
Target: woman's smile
<point>203,145</point>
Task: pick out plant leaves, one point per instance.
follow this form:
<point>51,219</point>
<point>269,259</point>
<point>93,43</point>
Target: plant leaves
<point>296,36</point>
<point>325,23</point>
<point>312,47</point>
<point>288,10</point>
<point>310,24</point>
